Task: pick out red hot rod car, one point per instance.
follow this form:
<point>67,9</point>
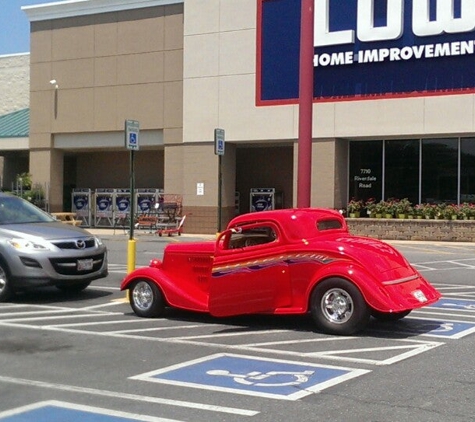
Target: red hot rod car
<point>291,261</point>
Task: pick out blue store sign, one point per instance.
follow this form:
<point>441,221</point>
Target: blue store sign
<point>366,49</point>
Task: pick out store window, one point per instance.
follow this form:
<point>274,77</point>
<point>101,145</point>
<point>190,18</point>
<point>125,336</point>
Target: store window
<point>365,170</point>
<point>402,170</point>
<point>467,170</point>
<point>426,171</point>
<point>439,170</point>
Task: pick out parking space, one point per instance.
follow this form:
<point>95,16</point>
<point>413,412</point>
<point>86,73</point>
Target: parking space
<point>264,358</point>
<point>261,377</point>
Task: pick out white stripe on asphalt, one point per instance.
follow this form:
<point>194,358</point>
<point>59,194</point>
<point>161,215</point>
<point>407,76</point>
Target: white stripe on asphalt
<point>115,394</point>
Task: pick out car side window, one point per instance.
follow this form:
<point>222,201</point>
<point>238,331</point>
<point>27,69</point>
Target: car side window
<point>252,237</point>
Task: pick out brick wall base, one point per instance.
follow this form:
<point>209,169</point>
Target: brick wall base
<point>400,229</point>
<point>204,220</point>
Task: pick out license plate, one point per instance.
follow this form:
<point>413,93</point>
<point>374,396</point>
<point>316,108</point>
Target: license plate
<point>420,296</point>
<point>84,264</point>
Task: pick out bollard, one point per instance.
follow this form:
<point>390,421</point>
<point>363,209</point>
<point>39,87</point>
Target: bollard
<point>131,254</point>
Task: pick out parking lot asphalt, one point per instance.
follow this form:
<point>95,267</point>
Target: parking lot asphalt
<point>90,358</point>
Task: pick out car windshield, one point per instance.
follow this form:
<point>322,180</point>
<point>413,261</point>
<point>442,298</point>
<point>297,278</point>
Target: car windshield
<point>14,210</point>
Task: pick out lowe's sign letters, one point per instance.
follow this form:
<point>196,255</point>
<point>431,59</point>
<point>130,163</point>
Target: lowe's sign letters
<point>368,49</point>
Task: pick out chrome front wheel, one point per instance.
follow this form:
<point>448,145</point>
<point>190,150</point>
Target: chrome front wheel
<point>146,299</point>
<point>5,288</point>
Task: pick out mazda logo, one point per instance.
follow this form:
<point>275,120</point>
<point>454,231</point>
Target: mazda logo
<point>80,244</point>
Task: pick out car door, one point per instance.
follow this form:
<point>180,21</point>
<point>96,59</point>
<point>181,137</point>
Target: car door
<point>250,274</point>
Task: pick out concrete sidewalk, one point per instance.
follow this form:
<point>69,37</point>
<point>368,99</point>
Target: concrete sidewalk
<point>143,234</point>
<point>119,233</point>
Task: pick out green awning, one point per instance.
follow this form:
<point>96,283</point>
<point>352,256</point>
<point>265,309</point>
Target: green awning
<point>16,124</point>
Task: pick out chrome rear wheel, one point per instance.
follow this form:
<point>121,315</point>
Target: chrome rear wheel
<point>338,307</point>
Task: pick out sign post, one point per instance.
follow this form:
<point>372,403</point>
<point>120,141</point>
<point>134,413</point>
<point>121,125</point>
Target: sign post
<point>219,142</point>
<point>131,143</point>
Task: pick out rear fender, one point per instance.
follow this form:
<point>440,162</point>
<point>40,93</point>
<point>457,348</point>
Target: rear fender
<point>376,295</point>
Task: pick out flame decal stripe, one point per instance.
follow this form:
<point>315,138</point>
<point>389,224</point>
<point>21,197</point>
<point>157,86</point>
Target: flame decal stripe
<point>259,264</point>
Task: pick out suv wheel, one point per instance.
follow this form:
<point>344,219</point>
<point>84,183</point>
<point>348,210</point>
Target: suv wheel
<point>5,287</point>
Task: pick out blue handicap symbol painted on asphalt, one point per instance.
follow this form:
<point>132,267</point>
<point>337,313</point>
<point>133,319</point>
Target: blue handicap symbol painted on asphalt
<point>441,328</point>
<point>454,304</point>
<point>54,411</point>
<point>253,376</point>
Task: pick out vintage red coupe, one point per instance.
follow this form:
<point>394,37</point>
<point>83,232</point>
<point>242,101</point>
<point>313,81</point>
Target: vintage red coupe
<point>291,261</point>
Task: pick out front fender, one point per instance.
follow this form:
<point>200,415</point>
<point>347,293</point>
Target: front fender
<point>393,296</point>
<point>177,294</point>
<point>140,273</point>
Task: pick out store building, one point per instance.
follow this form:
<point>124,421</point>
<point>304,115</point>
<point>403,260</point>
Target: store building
<point>393,113</point>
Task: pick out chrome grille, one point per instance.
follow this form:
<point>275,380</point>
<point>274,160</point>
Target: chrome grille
<point>73,244</point>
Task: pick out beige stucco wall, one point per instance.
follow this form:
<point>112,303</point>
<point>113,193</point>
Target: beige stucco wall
<point>185,69</point>
<point>108,67</point>
<point>14,82</point>
<point>225,66</point>
<point>220,91</point>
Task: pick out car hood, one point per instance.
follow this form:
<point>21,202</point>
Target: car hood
<point>45,230</point>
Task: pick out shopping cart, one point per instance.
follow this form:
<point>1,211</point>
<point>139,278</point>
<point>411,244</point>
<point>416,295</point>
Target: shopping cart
<point>169,228</point>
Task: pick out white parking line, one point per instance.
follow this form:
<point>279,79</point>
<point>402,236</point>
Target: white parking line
<point>445,314</point>
<point>455,264</point>
<point>134,397</point>
<point>422,268</point>
<point>47,318</point>
<point>89,324</point>
<point>172,327</point>
<point>102,305</point>
<point>247,333</point>
<point>31,313</point>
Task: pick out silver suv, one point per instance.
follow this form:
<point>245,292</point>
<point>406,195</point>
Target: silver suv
<point>36,250</point>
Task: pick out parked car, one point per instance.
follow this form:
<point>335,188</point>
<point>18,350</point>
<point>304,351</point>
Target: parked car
<point>290,261</point>
<point>37,250</point>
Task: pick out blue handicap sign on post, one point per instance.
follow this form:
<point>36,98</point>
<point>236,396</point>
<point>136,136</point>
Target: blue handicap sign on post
<point>133,139</point>
<point>253,376</point>
<point>132,130</point>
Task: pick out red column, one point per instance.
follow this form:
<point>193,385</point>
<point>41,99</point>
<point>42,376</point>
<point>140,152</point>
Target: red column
<point>304,176</point>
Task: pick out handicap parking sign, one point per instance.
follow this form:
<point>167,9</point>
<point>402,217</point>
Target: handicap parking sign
<point>254,376</point>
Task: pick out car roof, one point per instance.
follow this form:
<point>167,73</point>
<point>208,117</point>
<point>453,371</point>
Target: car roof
<point>295,222</point>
